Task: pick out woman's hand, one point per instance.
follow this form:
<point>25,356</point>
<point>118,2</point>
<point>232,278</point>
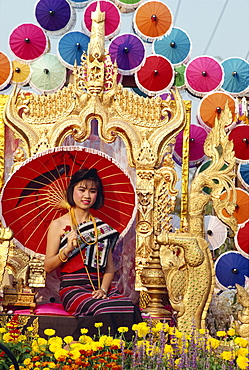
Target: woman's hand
<point>99,294</point>
<point>71,241</point>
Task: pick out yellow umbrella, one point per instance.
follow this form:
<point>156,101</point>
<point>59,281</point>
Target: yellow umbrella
<point>21,73</point>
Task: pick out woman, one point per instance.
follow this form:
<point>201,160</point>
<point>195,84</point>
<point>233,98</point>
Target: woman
<point>82,246</point>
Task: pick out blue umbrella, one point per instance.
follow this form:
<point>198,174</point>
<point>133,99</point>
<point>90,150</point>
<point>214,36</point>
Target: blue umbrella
<point>243,174</point>
<point>236,76</point>
<point>55,16</point>
<point>230,269</point>
<point>71,46</point>
<point>78,4</point>
<point>176,46</point>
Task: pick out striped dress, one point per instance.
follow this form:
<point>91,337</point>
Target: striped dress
<point>76,288</point>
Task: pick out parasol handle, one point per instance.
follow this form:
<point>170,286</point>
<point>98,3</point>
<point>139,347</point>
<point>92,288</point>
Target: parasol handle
<point>73,224</point>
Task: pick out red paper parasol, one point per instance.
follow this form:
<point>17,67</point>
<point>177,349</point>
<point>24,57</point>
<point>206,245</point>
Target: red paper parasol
<point>152,20</point>
<point>212,105</point>
<point>32,196</point>
<point>241,212</point>
<point>203,75</point>
<point>196,142</point>
<point>240,137</point>
<point>5,70</point>
<point>241,239</point>
<point>155,76</point>
<point>112,18</point>
<point>28,42</point>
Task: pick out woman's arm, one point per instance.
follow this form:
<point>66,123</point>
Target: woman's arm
<point>107,278</point>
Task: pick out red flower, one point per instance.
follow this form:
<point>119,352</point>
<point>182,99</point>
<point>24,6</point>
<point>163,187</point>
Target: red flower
<point>67,228</point>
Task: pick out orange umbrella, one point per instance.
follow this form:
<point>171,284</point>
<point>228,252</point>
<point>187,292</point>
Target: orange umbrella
<point>5,70</point>
<point>152,20</point>
<point>241,212</point>
<point>21,73</point>
<point>212,105</point>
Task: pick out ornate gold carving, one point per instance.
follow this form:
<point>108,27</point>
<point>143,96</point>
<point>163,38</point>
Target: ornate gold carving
<point>3,99</point>
<point>5,237</point>
<point>37,275</point>
<point>242,324</point>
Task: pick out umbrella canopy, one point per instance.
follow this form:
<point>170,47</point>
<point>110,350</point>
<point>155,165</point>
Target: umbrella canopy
<point>196,142</point>
<point>230,269</point>
<point>240,137</point>
<point>215,231</point>
<point>55,16</point>
<point>212,105</point>
<point>21,73</point>
<point>179,81</point>
<point>28,42</point>
<point>127,6</point>
<point>112,18</point>
<point>152,20</point>
<point>203,167</point>
<point>78,4</point>
<point>33,195</point>
<point>48,74</point>
<point>128,51</point>
<point>243,174</point>
<point>241,212</point>
<point>155,76</point>
<point>203,75</point>
<point>176,46</point>
<point>5,70</point>
<point>236,76</point>
<point>241,239</point>
<point>71,47</point>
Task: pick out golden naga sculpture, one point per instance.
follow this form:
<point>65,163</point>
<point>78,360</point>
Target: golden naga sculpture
<point>242,324</point>
<point>185,256</point>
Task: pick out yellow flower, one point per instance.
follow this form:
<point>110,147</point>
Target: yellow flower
<point>85,339</point>
<point>134,327</point>
<point>27,361</point>
<point>54,347</point>
<point>202,331</point>
<point>30,328</point>
<point>98,324</point>
<point>22,338</point>
<point>68,339</point>
<point>56,340</point>
<point>227,355</point>
<point>49,332</point>
<point>214,342</point>
<point>123,329</point>
<point>74,354</point>
<point>52,365</point>
<point>242,352</point>
<point>61,353</point>
<point>117,342</point>
<point>106,340</point>
<point>231,332</point>
<point>242,362</point>
<point>2,330</point>
<point>168,348</point>
<point>7,337</point>
<point>84,331</point>
<point>41,341</point>
<point>221,333</point>
<point>242,342</point>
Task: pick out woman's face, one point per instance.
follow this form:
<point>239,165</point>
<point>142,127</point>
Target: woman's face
<point>85,194</point>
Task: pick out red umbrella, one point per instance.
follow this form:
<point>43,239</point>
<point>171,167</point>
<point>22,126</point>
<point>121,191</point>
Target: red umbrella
<point>155,76</point>
<point>5,70</point>
<point>203,75</point>
<point>241,239</point>
<point>240,137</point>
<point>28,42</point>
<point>112,18</point>
<point>196,143</point>
<point>241,212</point>
<point>33,195</point>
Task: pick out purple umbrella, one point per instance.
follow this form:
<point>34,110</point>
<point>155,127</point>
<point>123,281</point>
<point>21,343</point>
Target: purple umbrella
<point>55,16</point>
<point>128,51</point>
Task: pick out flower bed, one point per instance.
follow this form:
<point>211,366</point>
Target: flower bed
<point>160,347</point>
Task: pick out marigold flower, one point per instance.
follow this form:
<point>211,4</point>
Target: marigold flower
<point>54,347</point>
<point>227,355</point>
<point>56,339</point>
<point>98,324</point>
<point>49,332</point>
<point>61,354</point>
<point>231,332</point>
<point>84,331</point>
<point>68,339</point>
<point>242,342</point>
<point>242,352</point>
<point>2,330</point>
<point>221,333</point>
<point>106,340</point>
<point>168,348</point>
<point>242,362</point>
<point>123,329</point>
<point>214,342</point>
<point>27,361</point>
<point>75,354</point>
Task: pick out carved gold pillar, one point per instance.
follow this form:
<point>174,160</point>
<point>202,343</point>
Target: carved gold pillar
<point>3,99</point>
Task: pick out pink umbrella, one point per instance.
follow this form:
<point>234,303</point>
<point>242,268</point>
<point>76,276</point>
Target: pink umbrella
<point>28,42</point>
<point>112,18</point>
<point>196,141</point>
<point>203,75</point>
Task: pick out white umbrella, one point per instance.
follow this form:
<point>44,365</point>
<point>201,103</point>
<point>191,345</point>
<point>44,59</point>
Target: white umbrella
<point>215,231</point>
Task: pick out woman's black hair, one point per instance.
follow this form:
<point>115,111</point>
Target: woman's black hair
<point>86,174</point>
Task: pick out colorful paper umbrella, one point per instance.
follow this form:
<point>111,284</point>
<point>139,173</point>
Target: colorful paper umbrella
<point>128,51</point>
<point>48,74</point>
<point>55,16</point>
<point>241,212</point>
<point>236,76</point>
<point>35,193</point>
<point>152,20</point>
<point>203,75</point>
<point>240,137</point>
<point>112,18</point>
<point>243,175</point>
<point>5,70</point>
<point>21,73</point>
<point>155,76</point>
<point>127,6</point>
<point>212,105</point>
<point>28,42</point>
<point>71,47</point>
<point>230,269</point>
<point>78,4</point>
<point>196,142</point>
<point>241,239</point>
<point>176,46</point>
<point>215,231</point>
<point>203,167</point>
<point>179,81</point>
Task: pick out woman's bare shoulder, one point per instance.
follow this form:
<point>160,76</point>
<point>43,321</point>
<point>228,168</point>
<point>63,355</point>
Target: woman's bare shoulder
<point>60,222</point>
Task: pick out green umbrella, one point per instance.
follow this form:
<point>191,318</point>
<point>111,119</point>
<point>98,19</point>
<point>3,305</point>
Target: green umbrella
<point>180,77</point>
